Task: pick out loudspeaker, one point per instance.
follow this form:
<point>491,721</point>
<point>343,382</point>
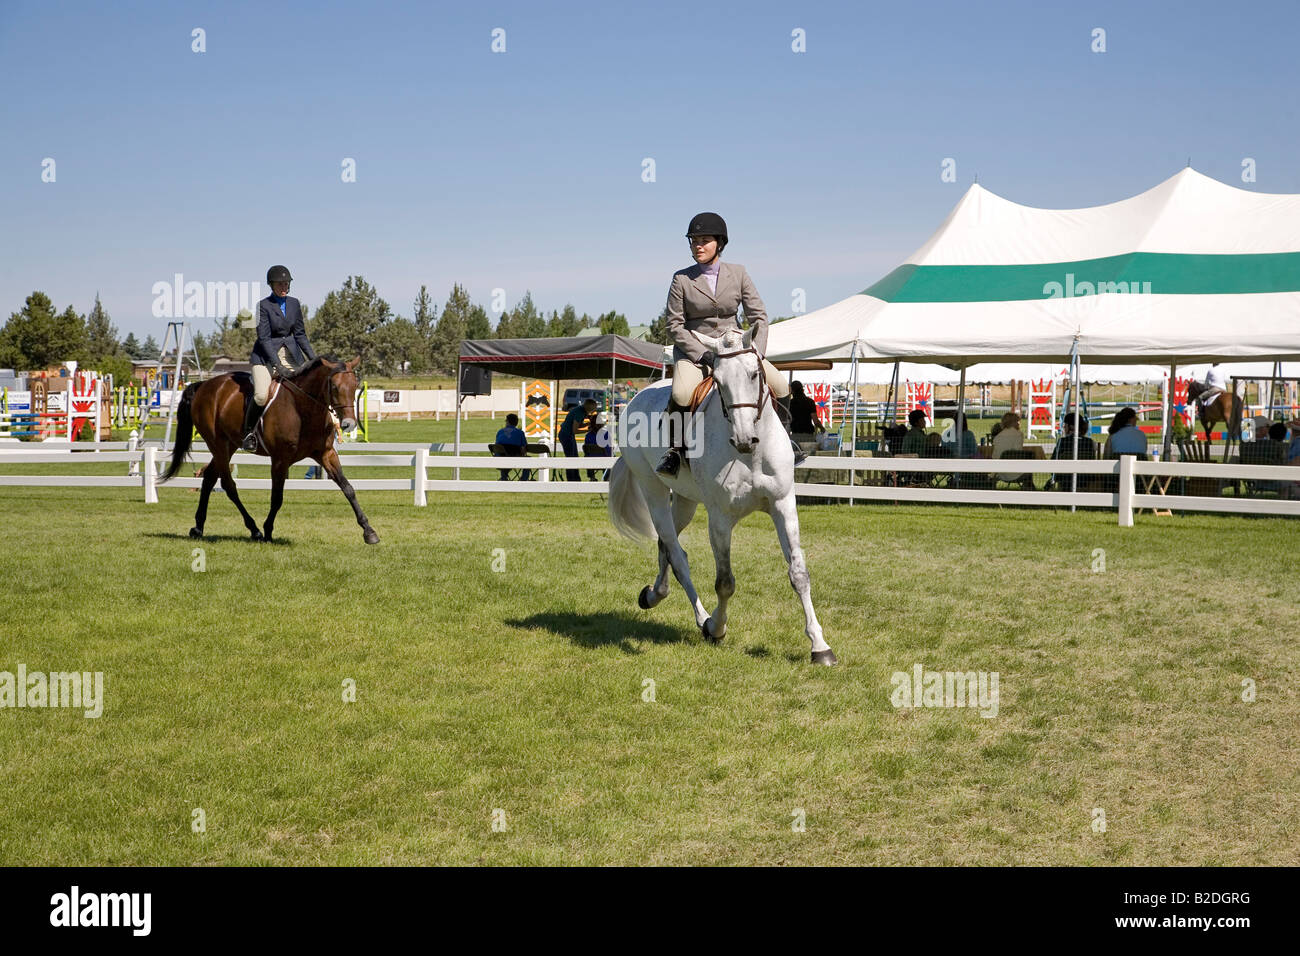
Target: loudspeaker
<point>475,380</point>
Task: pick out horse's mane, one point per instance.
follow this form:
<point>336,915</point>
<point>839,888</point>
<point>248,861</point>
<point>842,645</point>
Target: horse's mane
<point>335,365</point>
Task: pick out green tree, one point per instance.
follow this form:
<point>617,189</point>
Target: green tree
<point>425,316</point>
<point>131,346</point>
<point>36,337</point>
<point>614,323</point>
<point>234,338</point>
<point>150,350</point>
<point>659,330</point>
<point>347,320</point>
<point>451,329</point>
<point>398,347</point>
<point>478,325</point>
<point>528,322</point>
<point>101,334</point>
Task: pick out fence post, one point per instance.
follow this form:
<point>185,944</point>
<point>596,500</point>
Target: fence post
<point>133,444</point>
<point>150,474</point>
<point>1126,490</point>
<point>421,475</point>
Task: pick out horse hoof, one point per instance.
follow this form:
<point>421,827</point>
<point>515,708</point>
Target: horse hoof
<point>707,631</point>
<point>370,537</point>
<point>195,533</point>
<point>258,536</point>
<point>826,657</point>
<point>643,599</point>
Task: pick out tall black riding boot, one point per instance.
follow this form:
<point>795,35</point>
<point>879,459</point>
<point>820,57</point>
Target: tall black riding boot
<point>676,454</point>
<point>252,411</point>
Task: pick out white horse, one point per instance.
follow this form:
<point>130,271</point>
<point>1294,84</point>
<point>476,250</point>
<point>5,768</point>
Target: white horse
<point>741,463</point>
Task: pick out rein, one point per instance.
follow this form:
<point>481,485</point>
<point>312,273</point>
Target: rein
<point>336,408</point>
<point>761,404</point>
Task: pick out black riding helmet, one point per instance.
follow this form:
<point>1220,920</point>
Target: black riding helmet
<point>278,274</point>
<point>709,224</point>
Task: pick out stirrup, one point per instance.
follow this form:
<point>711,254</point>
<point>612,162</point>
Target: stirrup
<point>800,456</point>
<point>250,440</point>
<point>671,462</point>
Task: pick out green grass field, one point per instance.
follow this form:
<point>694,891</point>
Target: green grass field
<point>522,690</point>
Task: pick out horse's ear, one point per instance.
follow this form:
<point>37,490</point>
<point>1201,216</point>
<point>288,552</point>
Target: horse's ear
<point>746,340</point>
<point>709,343</point>
<point>351,366</point>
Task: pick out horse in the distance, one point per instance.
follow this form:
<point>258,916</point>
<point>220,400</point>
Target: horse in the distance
<point>742,462</point>
<point>294,425</point>
<point>1224,407</point>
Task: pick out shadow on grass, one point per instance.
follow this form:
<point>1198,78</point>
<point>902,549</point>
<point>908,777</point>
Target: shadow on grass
<point>603,629</point>
<point>185,536</point>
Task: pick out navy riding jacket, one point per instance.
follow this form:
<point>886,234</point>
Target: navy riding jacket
<point>275,329</point>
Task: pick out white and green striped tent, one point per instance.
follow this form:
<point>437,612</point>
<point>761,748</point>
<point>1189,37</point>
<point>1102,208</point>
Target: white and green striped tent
<point>1187,272</point>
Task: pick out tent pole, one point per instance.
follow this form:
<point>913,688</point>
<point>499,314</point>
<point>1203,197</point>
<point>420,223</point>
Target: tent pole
<point>459,373</point>
<point>853,429</point>
<point>1075,375</point>
<point>959,425</point>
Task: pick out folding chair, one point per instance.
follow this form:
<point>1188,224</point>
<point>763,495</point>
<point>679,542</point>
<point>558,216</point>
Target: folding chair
<point>1024,481</point>
<point>510,451</point>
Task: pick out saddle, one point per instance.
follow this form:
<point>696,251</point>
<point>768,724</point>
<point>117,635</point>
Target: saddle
<point>701,393</point>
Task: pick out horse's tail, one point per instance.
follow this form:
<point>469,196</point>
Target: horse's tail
<point>627,507</point>
<point>184,432</point>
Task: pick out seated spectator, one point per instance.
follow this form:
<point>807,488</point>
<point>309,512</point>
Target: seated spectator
<point>914,442</point>
<point>595,444</point>
<point>1064,451</point>
<point>1277,433</point>
<point>514,443</point>
<point>967,447</point>
<point>1125,436</point>
<point>1008,439</point>
<point>933,445</point>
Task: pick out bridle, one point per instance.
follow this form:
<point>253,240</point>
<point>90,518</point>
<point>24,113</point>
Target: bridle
<point>336,407</point>
<point>762,383</point>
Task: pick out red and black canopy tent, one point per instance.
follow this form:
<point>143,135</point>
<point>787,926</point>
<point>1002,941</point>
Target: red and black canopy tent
<point>571,357</point>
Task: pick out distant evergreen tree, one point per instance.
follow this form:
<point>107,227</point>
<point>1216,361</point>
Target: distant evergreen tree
<point>478,326</point>
<point>614,323</point>
<point>346,322</point>
<point>451,330</point>
<point>151,350</point>
<point>659,330</point>
<point>36,337</point>
<point>131,346</point>
<point>101,335</point>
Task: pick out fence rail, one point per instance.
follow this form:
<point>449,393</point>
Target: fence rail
<point>1136,482</point>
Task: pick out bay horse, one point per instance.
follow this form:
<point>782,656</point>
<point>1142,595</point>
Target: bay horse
<point>1224,407</point>
<point>294,425</point>
<point>738,461</point>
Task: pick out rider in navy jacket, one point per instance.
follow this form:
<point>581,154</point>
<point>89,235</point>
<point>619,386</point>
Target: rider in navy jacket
<point>281,343</point>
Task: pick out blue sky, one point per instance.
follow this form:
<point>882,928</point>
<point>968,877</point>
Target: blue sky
<point>522,170</point>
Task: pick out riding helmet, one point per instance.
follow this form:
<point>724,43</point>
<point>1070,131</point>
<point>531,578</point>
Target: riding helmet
<point>278,274</point>
<point>709,224</point>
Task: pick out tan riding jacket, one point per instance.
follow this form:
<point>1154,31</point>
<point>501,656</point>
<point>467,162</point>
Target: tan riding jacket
<point>693,308</point>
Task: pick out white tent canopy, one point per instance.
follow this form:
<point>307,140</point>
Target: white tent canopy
<point>1187,272</point>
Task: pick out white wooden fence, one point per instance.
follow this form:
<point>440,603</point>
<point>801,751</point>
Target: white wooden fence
<point>1137,481</point>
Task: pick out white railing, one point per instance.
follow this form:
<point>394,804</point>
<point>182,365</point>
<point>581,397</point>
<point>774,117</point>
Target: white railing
<point>1138,482</point>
